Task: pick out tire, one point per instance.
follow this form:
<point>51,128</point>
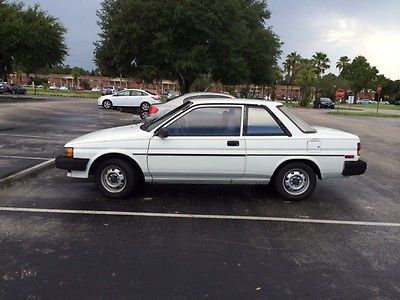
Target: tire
<point>145,106</point>
<point>107,104</point>
<point>295,181</point>
<point>116,179</point>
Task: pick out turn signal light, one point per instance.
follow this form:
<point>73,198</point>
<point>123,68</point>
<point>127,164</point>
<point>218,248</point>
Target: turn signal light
<point>359,149</point>
<point>69,152</point>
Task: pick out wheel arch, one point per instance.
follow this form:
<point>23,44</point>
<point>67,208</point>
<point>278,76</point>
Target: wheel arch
<point>306,161</point>
<point>107,99</point>
<point>120,156</point>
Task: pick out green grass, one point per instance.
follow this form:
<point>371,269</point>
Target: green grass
<point>364,114</point>
<point>381,106</point>
<point>61,93</point>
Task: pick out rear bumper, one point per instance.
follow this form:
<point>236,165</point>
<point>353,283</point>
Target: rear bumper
<point>71,164</point>
<point>354,168</point>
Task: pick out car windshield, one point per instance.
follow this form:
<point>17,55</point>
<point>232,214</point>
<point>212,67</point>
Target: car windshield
<point>326,99</point>
<point>157,121</point>
<point>297,120</point>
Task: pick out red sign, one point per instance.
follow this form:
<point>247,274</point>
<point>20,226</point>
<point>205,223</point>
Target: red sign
<point>340,93</point>
<point>379,89</point>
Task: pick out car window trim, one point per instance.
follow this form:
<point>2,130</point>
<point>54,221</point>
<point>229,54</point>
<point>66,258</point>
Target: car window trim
<point>286,131</point>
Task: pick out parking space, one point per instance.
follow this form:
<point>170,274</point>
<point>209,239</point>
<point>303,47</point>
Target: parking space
<point>59,236</point>
<point>36,129</point>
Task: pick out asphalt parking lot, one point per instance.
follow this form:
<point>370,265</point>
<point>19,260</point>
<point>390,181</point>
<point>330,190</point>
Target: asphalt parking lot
<point>59,238</point>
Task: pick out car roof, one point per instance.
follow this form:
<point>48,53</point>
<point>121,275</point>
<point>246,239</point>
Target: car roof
<point>236,101</point>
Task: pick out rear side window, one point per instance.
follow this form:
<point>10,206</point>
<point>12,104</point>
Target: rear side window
<point>297,120</point>
<point>136,93</point>
<point>261,123</point>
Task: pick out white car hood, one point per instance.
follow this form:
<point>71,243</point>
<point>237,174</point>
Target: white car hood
<point>111,134</point>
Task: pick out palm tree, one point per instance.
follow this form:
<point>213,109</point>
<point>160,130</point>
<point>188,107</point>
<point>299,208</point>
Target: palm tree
<point>342,62</point>
<point>321,63</point>
<point>306,78</point>
<point>291,66</point>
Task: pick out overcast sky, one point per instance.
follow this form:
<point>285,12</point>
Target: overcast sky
<point>337,27</point>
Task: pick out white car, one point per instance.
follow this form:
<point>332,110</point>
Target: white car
<point>128,98</point>
<point>157,110</point>
<point>215,141</point>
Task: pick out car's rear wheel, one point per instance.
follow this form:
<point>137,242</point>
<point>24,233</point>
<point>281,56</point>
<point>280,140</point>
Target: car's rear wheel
<point>107,104</point>
<point>295,181</point>
<point>115,178</point>
<point>145,106</point>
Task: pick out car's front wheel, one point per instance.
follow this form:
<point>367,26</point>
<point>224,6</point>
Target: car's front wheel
<point>107,104</point>
<point>295,181</point>
<point>115,178</point>
<point>145,106</point>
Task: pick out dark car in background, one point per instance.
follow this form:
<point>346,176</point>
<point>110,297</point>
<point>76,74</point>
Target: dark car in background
<point>12,89</point>
<point>18,90</point>
<point>5,89</point>
<point>324,103</point>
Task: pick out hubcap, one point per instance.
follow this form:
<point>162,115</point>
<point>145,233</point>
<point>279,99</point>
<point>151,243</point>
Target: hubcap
<point>107,104</point>
<point>113,179</point>
<point>296,182</point>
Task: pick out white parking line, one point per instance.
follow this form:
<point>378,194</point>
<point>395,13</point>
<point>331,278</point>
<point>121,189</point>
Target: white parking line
<point>195,216</point>
<point>25,157</point>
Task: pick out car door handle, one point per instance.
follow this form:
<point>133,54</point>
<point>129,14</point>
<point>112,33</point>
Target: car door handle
<point>232,143</point>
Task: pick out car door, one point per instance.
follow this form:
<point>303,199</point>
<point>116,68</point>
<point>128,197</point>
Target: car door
<point>121,98</point>
<point>268,141</point>
<point>203,144</point>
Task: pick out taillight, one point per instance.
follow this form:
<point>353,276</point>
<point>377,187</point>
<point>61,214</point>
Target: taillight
<point>153,109</point>
<point>359,149</point>
<point>155,97</point>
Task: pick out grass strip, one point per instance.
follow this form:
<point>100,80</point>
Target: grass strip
<point>364,114</point>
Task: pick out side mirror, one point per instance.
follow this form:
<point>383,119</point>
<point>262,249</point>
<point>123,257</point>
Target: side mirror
<point>162,132</point>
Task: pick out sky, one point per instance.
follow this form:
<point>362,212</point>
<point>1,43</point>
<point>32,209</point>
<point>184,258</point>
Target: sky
<point>336,27</point>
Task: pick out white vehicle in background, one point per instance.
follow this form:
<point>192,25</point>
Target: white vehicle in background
<point>215,141</point>
<point>128,98</point>
<point>157,110</point>
<point>96,89</point>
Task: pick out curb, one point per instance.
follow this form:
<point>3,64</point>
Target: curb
<point>48,164</point>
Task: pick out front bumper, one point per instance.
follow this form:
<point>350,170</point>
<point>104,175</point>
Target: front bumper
<point>354,168</point>
<point>71,164</point>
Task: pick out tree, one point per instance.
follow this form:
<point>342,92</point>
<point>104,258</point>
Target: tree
<point>361,74</point>
<point>306,78</point>
<point>291,66</point>
<point>329,83</point>
<point>321,63</point>
<point>342,62</point>
<point>11,24</point>
<point>30,39</point>
<point>42,41</point>
<point>181,40</point>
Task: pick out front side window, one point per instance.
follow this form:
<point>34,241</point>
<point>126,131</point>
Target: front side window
<point>208,121</point>
<point>123,93</point>
<point>260,122</point>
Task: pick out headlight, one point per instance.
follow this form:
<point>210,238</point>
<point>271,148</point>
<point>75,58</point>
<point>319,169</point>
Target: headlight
<point>69,152</point>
